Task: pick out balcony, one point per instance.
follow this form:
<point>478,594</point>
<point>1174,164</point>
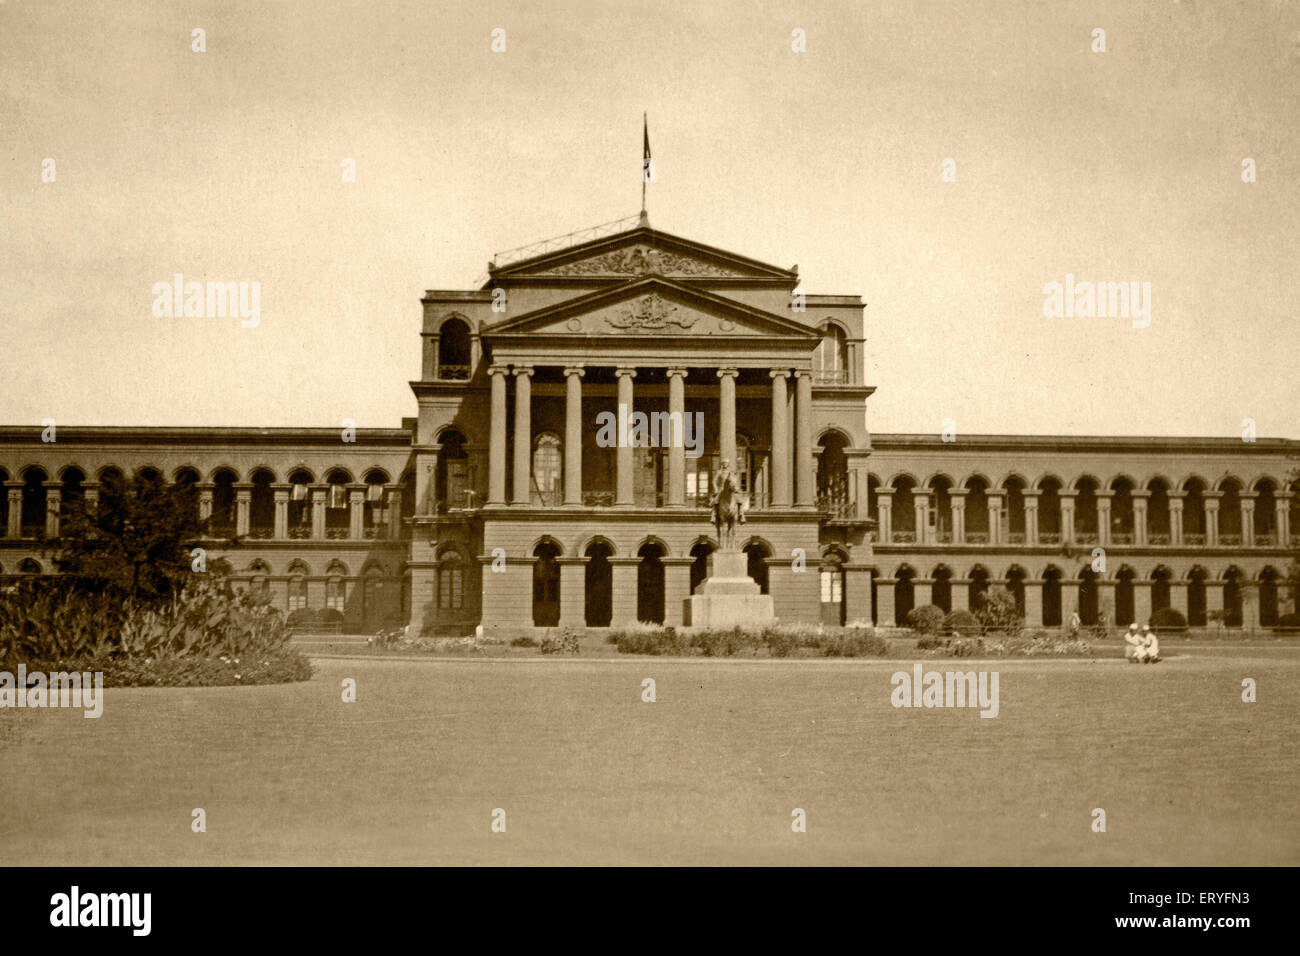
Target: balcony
<point>1230,540</point>
<point>602,499</point>
<point>336,533</point>
<point>300,532</point>
<point>904,537</point>
<point>453,373</point>
<point>371,531</point>
<point>943,537</point>
<point>1119,537</point>
<point>1266,540</point>
<point>1157,539</point>
<point>1196,539</point>
<point>1049,537</point>
<point>977,537</point>
<point>222,529</point>
<point>32,530</point>
<point>261,533</point>
<point>1015,537</point>
<point>1085,537</point>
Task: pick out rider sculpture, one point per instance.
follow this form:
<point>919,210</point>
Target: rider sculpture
<point>728,505</point>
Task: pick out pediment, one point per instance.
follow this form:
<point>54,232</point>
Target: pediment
<point>653,307</point>
<point>643,252</point>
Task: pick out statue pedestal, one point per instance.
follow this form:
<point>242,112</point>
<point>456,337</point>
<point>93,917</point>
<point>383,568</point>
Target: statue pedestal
<point>729,597</point>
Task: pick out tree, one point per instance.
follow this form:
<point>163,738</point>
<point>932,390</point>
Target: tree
<point>999,612</point>
<point>137,541</point>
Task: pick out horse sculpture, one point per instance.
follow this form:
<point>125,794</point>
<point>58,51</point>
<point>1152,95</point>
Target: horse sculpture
<point>728,506</point>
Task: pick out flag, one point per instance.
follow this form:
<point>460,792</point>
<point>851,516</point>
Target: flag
<point>645,159</point>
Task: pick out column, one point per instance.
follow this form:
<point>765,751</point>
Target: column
<point>727,415</point>
<point>205,499</point>
<point>243,501</point>
<point>1178,595</point>
<point>959,588</point>
<point>573,435</point>
<point>475,353</point>
<point>281,491</point>
<point>395,515</point>
<point>1066,496</point>
<point>921,509</point>
<point>1250,605</point>
<point>90,494</point>
<point>806,477</point>
<point>677,588</point>
<point>573,591</point>
<point>1104,496</point>
<point>1212,518</point>
<point>497,437</point>
<point>885,515</point>
<point>1033,602</point>
<point>318,493</point>
<point>857,593</point>
<point>1213,598</point>
<point>1176,525</point>
<point>957,505</point>
<point>624,492</point>
<point>995,517</point>
<point>1031,517</point>
<point>922,591</point>
<point>780,441</point>
<point>676,449</point>
<point>1248,518</point>
<point>1141,601</point>
<point>1140,502</point>
<point>356,510</point>
<point>53,500</point>
<point>1283,500</point>
<point>1106,602</point>
<point>885,602</point>
<point>624,590</point>
<point>521,491</point>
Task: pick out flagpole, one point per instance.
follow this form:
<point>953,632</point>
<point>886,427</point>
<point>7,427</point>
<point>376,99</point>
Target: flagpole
<point>645,127</point>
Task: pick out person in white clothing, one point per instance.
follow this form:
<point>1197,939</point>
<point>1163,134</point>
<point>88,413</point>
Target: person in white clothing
<point>1151,644</point>
<point>1136,651</point>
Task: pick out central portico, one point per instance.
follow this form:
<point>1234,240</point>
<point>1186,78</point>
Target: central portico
<point>563,526</point>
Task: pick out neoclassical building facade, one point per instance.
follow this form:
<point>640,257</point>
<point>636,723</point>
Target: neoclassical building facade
<point>571,412</point>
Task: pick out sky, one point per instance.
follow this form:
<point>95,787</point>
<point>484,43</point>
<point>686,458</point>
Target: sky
<point>226,165</point>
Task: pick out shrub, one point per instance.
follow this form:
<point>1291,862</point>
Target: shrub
<point>523,642</point>
<point>1000,613</point>
<point>1287,624</point>
<point>929,642</point>
<point>56,619</point>
<point>780,642</point>
<point>721,643</point>
<point>565,643</point>
<point>644,641</point>
<point>963,623</point>
<point>282,666</point>
<point>1168,619</point>
<point>855,645</point>
<point>303,619</point>
<point>926,619</point>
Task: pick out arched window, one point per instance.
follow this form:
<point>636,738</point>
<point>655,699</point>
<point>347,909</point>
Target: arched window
<point>297,585</point>
<point>548,465</point>
<point>374,518</point>
<point>259,585</point>
<point>338,505</point>
<point>300,504</point>
<point>335,589</point>
<point>453,350</point>
<point>261,511</point>
<point>832,589</point>
<point>451,582</point>
<point>831,360</point>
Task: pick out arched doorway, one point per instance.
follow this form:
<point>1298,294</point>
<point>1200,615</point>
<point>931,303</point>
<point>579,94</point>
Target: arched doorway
<point>650,583</point>
<point>756,554</point>
<point>1088,609</point>
<point>1125,605</point>
<point>546,584</point>
<point>979,587</point>
<point>1160,589</point>
<point>832,589</point>
<point>700,552</point>
<point>1232,596</point>
<point>1052,597</point>
<point>1196,613</point>
<point>599,584</point>
<point>1268,597</point>
<point>941,589</point>
<point>904,594</point>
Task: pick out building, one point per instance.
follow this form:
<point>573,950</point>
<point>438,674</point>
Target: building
<point>511,499</point>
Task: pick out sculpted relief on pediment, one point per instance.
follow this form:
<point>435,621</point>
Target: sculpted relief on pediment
<point>643,260</point>
<point>652,314</point>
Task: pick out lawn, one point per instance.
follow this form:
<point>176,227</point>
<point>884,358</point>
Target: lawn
<point>708,774</point>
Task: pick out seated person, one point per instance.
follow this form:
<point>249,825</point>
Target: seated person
<point>1150,644</point>
<point>1136,650</point>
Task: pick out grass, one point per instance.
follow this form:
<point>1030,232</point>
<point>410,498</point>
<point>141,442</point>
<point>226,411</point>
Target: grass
<point>1187,773</point>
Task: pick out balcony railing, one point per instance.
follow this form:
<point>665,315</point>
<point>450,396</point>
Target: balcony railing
<point>261,533</point>
<point>1121,538</point>
<point>1265,540</point>
<point>372,531</point>
<point>1198,539</point>
<point>904,537</point>
<point>943,537</point>
<point>1085,537</point>
<point>336,533</point>
<point>299,533</point>
<point>1230,539</point>
<point>977,537</point>
<point>1157,539</point>
<point>830,376</point>
<point>223,529</point>
<point>454,373</point>
<point>1049,537</point>
<point>33,530</point>
<point>1015,537</point>
<point>837,507</point>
